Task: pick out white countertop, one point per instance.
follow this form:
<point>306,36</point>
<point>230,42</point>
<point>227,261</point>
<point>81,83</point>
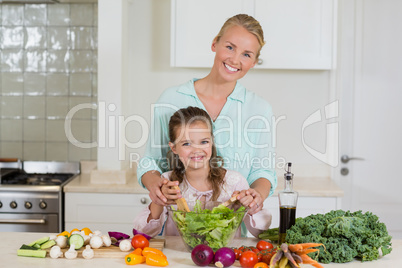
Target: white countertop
<point>307,186</point>
<point>174,250</point>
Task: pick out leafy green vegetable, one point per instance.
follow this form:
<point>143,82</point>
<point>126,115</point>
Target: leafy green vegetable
<point>212,227</point>
<point>270,234</point>
<point>346,235</point>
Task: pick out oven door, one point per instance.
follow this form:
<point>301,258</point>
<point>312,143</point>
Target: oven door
<point>24,222</point>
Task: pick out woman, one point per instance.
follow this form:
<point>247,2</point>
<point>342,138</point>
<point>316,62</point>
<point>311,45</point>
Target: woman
<point>241,119</point>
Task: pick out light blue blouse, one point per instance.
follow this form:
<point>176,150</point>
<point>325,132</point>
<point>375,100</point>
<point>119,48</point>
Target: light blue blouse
<point>242,132</point>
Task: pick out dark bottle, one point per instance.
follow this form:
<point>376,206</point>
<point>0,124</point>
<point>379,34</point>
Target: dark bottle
<point>287,205</point>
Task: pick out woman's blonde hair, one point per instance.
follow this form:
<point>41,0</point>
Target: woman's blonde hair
<point>188,116</point>
<point>247,22</point>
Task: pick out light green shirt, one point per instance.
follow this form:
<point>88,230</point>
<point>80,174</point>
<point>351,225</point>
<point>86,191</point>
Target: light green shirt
<point>242,132</point>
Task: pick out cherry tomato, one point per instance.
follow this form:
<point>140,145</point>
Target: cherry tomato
<point>261,265</point>
<point>262,244</point>
<point>254,249</point>
<point>248,259</point>
<point>237,253</point>
<point>139,241</point>
<point>266,255</point>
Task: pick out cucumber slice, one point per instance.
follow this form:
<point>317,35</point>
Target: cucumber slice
<point>32,253</point>
<point>77,240</point>
<point>28,247</point>
<point>40,241</point>
<point>48,244</point>
<point>37,246</point>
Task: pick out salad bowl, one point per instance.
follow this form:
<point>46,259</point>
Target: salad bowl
<point>211,223</point>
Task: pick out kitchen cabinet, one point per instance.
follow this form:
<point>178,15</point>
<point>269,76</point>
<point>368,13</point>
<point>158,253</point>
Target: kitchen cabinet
<point>103,211</point>
<point>306,206</point>
<point>299,34</point>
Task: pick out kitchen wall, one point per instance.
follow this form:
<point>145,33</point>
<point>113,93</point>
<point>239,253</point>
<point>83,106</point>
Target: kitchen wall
<point>293,94</point>
<point>48,57</point>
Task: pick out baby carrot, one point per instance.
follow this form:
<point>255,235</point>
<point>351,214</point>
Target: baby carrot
<point>306,251</point>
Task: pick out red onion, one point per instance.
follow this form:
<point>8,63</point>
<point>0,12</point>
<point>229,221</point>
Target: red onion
<point>118,236</point>
<point>224,257</point>
<point>202,255</point>
<point>145,235</point>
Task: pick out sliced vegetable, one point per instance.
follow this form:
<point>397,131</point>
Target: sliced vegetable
<point>202,255</point>
<point>138,232</point>
<point>40,241</point>
<point>28,247</point>
<point>77,240</point>
<point>38,253</point>
<point>48,244</point>
<point>224,257</point>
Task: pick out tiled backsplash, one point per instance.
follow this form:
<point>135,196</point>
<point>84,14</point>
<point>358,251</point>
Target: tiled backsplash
<point>48,56</point>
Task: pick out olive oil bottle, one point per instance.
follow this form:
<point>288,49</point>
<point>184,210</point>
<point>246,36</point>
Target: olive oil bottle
<point>287,205</point>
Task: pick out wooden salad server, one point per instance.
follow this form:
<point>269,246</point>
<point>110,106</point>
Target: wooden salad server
<point>230,201</point>
<point>181,202</point>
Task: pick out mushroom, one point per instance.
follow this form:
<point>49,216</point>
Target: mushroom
<point>86,237</point>
<point>106,240</point>
<point>52,237</point>
<point>98,233</point>
<point>55,252</point>
<point>96,241</point>
<point>71,253</point>
<point>61,241</point>
<point>88,252</point>
<point>125,245</point>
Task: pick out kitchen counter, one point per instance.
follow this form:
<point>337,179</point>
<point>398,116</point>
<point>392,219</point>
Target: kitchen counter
<point>174,250</point>
<point>311,186</point>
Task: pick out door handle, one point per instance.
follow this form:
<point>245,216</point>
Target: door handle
<point>23,221</point>
<point>345,158</point>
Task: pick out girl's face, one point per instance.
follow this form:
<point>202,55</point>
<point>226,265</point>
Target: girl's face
<point>193,145</point>
<point>235,53</point>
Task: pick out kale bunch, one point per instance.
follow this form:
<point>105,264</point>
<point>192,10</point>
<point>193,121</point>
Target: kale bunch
<point>346,235</point>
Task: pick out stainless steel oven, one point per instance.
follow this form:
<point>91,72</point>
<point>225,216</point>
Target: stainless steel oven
<point>31,195</point>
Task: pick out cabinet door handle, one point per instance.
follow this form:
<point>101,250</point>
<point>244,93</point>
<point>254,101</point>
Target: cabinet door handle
<point>143,200</point>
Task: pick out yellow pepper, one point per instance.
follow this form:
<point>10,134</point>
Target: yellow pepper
<point>148,250</point>
<point>154,259</point>
<point>132,259</point>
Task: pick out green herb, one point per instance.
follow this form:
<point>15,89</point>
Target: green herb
<point>212,227</point>
<point>346,235</point>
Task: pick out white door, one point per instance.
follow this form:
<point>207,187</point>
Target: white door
<point>370,88</point>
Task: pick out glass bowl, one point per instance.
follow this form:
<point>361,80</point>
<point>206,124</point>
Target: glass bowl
<point>208,223</point>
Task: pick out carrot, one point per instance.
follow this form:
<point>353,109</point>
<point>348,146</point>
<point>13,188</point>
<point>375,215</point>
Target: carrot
<point>317,265</point>
<point>306,251</point>
<point>307,260</point>
<point>295,247</point>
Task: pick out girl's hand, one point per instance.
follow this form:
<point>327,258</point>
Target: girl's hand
<point>170,193</point>
<point>244,197</point>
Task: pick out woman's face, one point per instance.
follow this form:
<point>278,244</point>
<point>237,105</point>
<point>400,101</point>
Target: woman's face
<point>193,145</point>
<point>235,53</point>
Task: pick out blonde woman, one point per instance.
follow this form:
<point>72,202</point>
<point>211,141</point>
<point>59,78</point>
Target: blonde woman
<point>241,119</point>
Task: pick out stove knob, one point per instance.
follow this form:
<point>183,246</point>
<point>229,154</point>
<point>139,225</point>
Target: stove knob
<point>42,204</point>
<point>28,205</point>
<point>13,204</point>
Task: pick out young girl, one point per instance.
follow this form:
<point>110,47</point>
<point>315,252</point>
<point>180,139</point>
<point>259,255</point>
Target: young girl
<point>198,171</point>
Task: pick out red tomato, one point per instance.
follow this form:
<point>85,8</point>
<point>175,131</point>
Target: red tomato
<point>237,253</point>
<point>139,241</point>
<point>254,249</point>
<point>248,259</point>
<point>266,255</point>
<point>261,245</point>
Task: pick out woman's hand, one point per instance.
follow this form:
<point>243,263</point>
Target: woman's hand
<point>249,198</point>
<point>153,181</point>
<point>170,193</point>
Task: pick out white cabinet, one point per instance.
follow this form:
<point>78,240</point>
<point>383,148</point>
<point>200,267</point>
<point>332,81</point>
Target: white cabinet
<point>305,207</point>
<point>103,211</point>
<point>299,34</point>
